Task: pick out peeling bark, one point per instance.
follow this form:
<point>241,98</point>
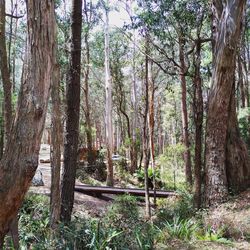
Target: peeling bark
<point>20,158</point>
<point>228,19</point>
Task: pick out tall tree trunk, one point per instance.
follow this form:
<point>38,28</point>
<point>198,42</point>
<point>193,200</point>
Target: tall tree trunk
<point>5,72</point>
<point>90,156</point>
<point>56,142</point>
<point>145,133</point>
<point>7,85</point>
<point>219,125</point>
<point>134,149</point>
<point>198,119</point>
<point>108,106</point>
<point>151,120</point>
<point>185,132</point>
<point>20,159</point>
<point>72,114</point>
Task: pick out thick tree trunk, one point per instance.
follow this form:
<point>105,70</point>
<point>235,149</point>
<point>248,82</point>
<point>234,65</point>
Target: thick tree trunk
<point>72,114</point>
<point>237,158</point>
<point>185,132</point>
<point>108,106</point>
<point>198,118</point>
<point>56,142</point>
<point>220,111</point>
<point>20,159</point>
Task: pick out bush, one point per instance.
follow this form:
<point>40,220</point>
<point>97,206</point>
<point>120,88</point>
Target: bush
<point>123,216</point>
<point>34,220</point>
<point>180,206</point>
<point>182,229</point>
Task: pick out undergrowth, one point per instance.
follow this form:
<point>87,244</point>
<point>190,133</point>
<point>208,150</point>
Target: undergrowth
<point>122,227</point>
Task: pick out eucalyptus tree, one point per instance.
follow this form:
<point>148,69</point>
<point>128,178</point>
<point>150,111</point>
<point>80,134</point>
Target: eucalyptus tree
<point>227,160</point>
<point>5,73</point>
<point>20,159</point>
<point>72,113</point>
<point>91,18</point>
<point>108,102</point>
<point>7,91</point>
<point>165,21</point>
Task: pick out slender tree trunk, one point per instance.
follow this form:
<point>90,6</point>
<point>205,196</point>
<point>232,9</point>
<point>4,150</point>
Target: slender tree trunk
<point>108,117</point>
<point>185,132</point>
<point>134,150</point>
<point>72,114</point>
<point>56,142</point>
<point>14,52</point>
<point>90,156</point>
<point>220,128</point>
<point>151,120</point>
<point>5,73</point>
<point>7,85</point>
<point>198,118</point>
<point>145,134</point>
<point>20,159</point>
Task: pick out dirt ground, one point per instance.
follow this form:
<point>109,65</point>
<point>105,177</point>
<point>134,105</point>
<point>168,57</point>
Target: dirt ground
<point>84,204</point>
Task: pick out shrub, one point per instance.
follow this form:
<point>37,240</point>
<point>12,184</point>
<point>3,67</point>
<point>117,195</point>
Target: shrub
<point>123,216</point>
<point>181,229</point>
<point>180,206</point>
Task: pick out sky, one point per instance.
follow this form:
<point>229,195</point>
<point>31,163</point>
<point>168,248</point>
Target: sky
<point>116,18</point>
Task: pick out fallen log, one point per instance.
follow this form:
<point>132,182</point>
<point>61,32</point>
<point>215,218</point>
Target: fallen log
<point>98,190</point>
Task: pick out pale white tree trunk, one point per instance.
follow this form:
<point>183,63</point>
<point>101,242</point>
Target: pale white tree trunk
<point>108,105</point>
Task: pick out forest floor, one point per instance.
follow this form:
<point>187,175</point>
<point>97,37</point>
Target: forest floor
<point>233,216</point>
<point>84,204</point>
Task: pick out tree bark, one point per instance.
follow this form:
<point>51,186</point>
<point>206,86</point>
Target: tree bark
<point>228,19</point>
<point>108,106</point>
<point>5,72</point>
<point>241,83</point>
<point>20,159</point>
<point>72,114</point>
<point>7,85</point>
<point>151,120</point>
<point>56,142</point>
<point>90,156</point>
<point>185,132</point>
<point>198,119</point>
<point>145,134</point>
<point>237,158</point>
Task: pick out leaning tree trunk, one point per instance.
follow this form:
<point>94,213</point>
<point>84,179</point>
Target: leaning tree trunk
<point>72,114</point>
<point>20,158</point>
<point>228,17</point>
